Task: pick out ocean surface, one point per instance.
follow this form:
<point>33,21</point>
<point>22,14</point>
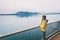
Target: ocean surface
<point>12,23</point>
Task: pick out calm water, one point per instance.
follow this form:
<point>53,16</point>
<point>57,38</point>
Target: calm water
<point>13,23</point>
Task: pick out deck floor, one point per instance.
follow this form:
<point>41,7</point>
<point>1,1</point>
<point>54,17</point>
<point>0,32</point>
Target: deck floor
<point>57,37</point>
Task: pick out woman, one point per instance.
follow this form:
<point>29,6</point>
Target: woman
<point>43,26</point>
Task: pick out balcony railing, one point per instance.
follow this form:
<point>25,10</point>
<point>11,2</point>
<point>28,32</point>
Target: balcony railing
<point>33,33</point>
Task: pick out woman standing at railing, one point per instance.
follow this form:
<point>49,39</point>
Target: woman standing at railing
<point>43,26</point>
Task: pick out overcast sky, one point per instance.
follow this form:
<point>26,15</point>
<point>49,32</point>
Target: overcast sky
<point>12,6</point>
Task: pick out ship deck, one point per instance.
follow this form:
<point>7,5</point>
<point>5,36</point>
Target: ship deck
<point>56,37</point>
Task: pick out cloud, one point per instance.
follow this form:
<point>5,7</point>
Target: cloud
<point>12,6</point>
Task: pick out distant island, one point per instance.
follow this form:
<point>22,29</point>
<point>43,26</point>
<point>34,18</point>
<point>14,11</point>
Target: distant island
<point>26,14</point>
<point>29,14</point>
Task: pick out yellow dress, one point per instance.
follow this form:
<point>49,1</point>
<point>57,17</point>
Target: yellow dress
<point>43,25</point>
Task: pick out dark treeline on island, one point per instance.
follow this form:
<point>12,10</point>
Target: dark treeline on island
<point>26,14</point>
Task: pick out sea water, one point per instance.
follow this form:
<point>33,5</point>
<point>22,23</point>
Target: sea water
<point>12,23</point>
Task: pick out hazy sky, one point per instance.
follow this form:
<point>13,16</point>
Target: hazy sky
<point>12,6</point>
